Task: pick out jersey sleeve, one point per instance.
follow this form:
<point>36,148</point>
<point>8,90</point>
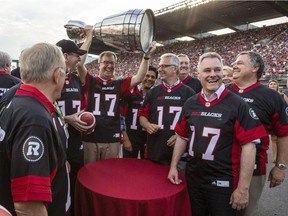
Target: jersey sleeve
<point>144,109</point>
<point>181,128</point>
<point>280,118</point>
<point>33,165</point>
<point>125,87</point>
<point>86,86</point>
<point>247,126</point>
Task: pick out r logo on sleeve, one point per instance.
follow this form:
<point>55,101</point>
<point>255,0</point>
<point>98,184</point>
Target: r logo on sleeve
<point>33,149</point>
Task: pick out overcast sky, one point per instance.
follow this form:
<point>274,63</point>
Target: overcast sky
<point>26,22</point>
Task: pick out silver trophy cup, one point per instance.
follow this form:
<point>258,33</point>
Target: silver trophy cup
<point>75,30</point>
<point>131,31</point>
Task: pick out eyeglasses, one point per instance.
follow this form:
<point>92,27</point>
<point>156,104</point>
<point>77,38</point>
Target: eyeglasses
<point>165,66</point>
<point>106,63</point>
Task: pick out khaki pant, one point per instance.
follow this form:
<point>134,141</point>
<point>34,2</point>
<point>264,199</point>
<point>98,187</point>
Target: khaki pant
<point>274,147</point>
<point>255,191</point>
<point>100,151</point>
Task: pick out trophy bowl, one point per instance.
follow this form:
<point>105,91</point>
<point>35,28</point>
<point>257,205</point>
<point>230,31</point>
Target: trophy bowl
<point>75,30</point>
<point>132,31</point>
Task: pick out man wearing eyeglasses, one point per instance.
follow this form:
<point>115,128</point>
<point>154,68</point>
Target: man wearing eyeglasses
<point>103,100</point>
<point>161,110</point>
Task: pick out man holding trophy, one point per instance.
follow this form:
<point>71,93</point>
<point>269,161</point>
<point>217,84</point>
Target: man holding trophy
<point>103,93</point>
<point>103,100</point>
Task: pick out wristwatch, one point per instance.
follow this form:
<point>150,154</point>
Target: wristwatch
<point>281,166</point>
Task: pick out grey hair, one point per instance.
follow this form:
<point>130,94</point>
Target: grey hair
<point>256,60</point>
<point>209,55</point>
<point>5,59</point>
<point>40,61</point>
<point>174,58</point>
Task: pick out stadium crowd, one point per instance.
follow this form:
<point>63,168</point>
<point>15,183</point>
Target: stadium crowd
<point>270,42</point>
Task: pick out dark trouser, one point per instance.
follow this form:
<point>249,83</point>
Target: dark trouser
<point>75,166</point>
<point>205,199</point>
<point>134,153</point>
<point>210,203</point>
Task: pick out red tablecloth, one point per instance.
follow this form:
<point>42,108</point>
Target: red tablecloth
<point>129,187</point>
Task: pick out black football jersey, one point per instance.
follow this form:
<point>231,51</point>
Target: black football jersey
<point>215,132</point>
<point>103,100</point>
<point>135,132</point>
<point>33,153</point>
<point>71,102</point>
<point>6,82</point>
<point>162,106</point>
<point>271,109</point>
<point>193,83</point>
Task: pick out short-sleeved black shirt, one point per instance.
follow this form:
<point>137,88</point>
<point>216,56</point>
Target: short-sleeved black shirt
<point>33,153</point>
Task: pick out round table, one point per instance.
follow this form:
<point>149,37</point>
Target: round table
<point>129,187</point>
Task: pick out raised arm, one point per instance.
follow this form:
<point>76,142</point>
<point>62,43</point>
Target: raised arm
<point>136,79</point>
<point>82,71</point>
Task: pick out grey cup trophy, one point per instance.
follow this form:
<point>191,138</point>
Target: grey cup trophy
<point>75,30</point>
<point>131,31</point>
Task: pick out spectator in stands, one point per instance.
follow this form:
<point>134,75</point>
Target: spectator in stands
<point>92,68</point>
<point>273,84</point>
<point>271,110</point>
<point>227,75</point>
<point>184,74</point>
<point>134,138</point>
<point>161,110</point>
<point>103,99</point>
<point>274,50</point>
<point>222,137</point>
<point>6,79</point>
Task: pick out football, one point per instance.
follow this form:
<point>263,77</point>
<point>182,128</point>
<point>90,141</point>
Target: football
<point>89,118</point>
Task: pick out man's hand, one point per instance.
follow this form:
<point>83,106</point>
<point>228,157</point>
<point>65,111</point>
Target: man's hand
<point>75,121</point>
<point>173,176</point>
<point>276,177</point>
<point>239,199</point>
<point>152,49</point>
<point>152,128</point>
<point>89,30</point>
<point>127,145</point>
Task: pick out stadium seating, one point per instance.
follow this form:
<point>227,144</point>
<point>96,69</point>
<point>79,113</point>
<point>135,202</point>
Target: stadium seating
<point>269,41</point>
